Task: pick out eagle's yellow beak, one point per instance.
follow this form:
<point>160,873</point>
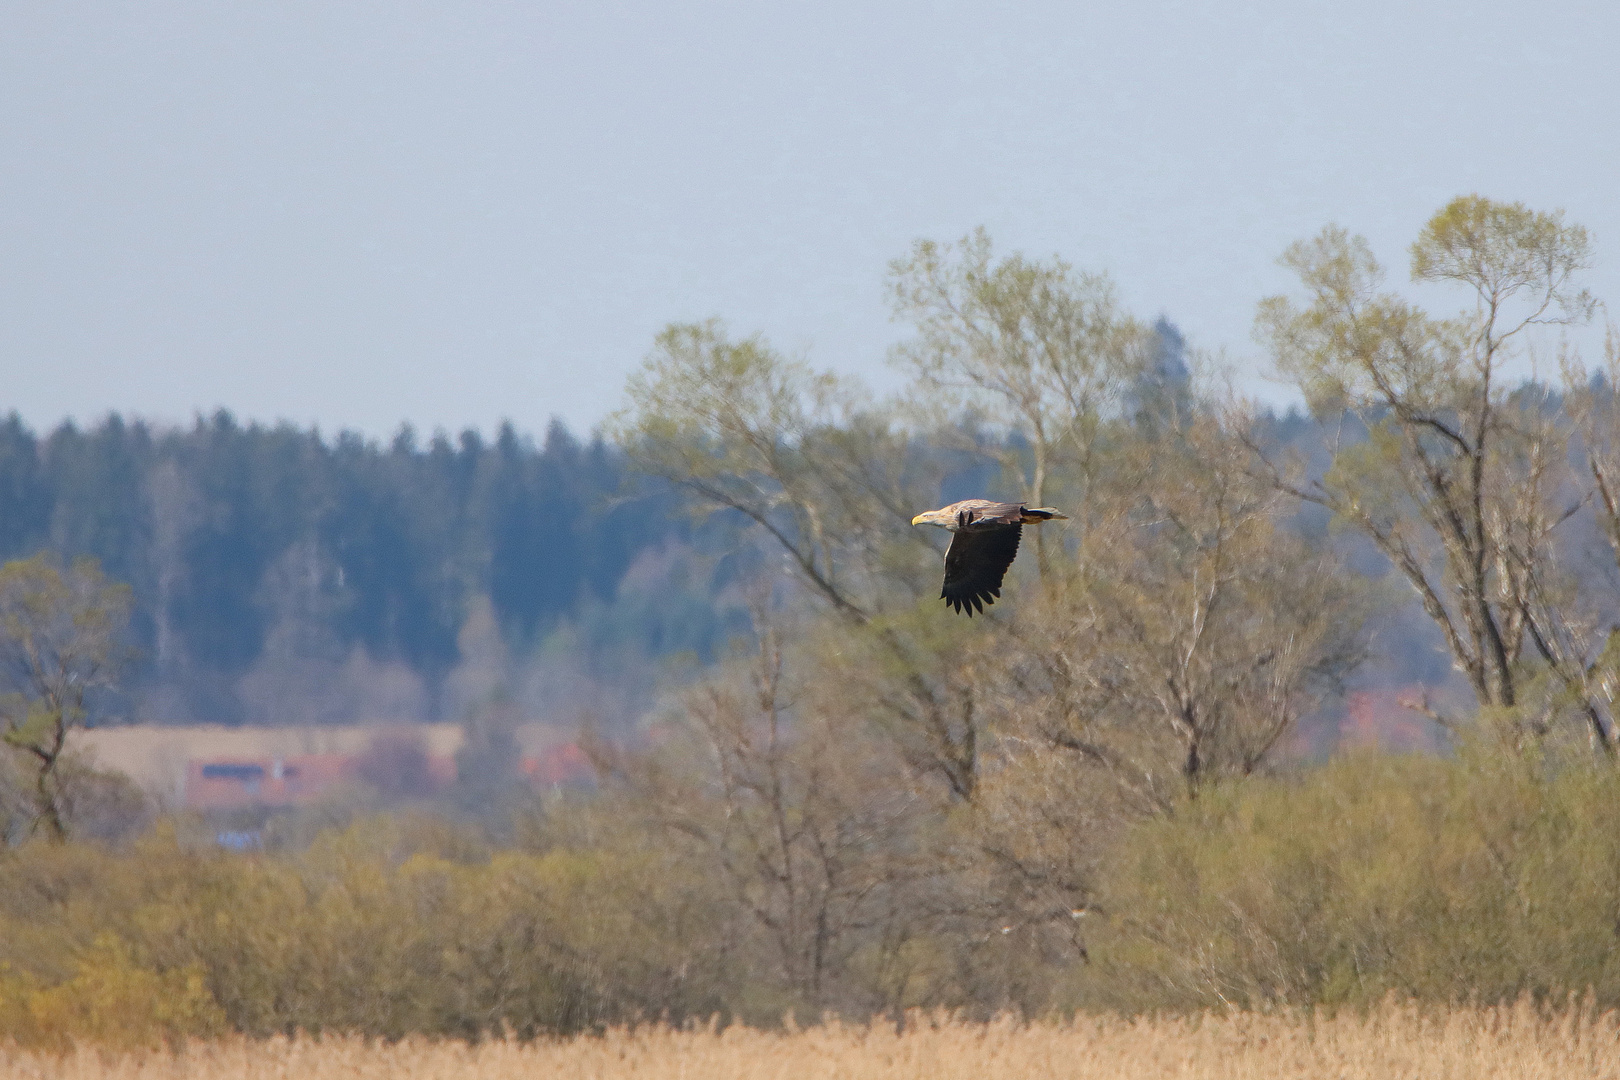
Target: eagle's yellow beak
<point>920,519</point>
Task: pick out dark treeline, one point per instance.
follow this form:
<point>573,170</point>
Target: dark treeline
<point>241,539</point>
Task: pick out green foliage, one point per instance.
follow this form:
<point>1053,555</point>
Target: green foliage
<point>60,645</point>
<point>1465,478</point>
<point>803,456</point>
<point>1504,249</point>
<point>385,928</point>
<point>1037,350</point>
<point>1353,346</point>
<point>111,1002</point>
<point>1477,879</point>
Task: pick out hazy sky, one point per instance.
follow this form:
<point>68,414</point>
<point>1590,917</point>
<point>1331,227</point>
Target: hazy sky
<point>451,213</point>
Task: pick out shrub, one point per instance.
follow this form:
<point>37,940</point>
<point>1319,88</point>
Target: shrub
<point>1473,879</point>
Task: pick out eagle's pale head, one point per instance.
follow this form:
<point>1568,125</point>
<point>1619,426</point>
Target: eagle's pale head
<point>945,519</point>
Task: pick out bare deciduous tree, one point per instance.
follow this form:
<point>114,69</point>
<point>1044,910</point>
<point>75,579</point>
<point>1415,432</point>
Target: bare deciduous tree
<point>1193,636</point>
<point>797,807</point>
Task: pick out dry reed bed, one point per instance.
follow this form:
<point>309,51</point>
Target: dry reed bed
<point>1477,1044</point>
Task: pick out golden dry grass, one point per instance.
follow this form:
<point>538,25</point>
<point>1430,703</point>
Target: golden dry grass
<point>1394,1042</point>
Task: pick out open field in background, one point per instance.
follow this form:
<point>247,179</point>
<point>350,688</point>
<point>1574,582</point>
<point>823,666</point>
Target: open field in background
<point>1390,1043</point>
<point>211,767</point>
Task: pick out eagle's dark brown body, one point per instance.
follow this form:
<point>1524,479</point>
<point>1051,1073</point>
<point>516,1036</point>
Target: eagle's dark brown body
<point>983,545</point>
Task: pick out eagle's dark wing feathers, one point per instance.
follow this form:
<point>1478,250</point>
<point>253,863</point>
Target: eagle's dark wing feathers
<point>976,562</point>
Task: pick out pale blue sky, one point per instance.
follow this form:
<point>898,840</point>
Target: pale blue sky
<point>455,212</point>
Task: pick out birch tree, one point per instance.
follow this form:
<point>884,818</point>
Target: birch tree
<point>1037,350</point>
<point>1461,480</point>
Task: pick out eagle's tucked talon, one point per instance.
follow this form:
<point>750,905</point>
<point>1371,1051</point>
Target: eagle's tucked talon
<point>984,543</point>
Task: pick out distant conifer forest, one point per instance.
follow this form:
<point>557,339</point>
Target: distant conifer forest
<point>266,559</point>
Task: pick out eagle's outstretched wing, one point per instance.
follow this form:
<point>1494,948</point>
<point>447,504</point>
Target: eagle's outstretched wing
<point>976,562</point>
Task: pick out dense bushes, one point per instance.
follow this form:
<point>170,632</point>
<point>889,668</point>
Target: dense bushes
<point>1440,880</point>
<point>385,928</point>
<point>110,1001</point>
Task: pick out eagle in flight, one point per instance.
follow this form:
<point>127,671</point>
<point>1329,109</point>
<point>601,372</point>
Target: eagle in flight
<point>984,543</point>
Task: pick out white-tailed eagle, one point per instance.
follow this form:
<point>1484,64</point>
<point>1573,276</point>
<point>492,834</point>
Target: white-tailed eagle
<point>983,544</point>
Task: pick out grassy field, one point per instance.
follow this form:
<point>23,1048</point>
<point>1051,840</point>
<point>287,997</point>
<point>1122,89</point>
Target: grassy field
<point>1478,1044</point>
